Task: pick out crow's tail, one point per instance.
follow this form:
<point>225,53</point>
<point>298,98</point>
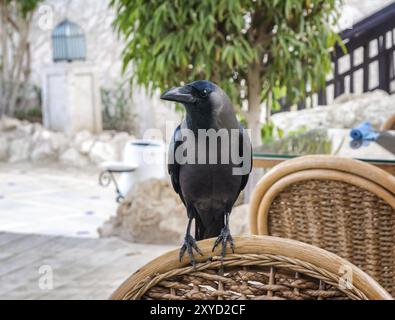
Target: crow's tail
<point>213,229</point>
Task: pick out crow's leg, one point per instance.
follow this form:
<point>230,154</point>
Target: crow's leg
<point>225,237</point>
<point>189,244</point>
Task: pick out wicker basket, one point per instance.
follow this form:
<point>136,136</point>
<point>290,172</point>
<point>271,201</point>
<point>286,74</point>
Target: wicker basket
<point>389,124</point>
<point>341,205</point>
<point>262,268</point>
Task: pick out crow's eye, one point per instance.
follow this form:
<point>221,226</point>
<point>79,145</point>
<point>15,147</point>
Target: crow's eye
<point>204,93</point>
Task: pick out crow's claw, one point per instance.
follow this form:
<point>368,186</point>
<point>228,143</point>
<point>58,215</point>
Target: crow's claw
<point>188,245</point>
<point>224,237</point>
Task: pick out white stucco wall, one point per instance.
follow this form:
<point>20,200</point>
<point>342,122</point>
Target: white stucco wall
<point>359,9</point>
<point>104,49</point>
<point>95,18</point>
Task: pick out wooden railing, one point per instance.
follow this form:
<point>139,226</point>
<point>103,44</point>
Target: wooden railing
<point>369,62</point>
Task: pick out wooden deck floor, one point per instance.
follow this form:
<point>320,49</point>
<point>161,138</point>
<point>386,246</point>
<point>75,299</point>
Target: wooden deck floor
<point>81,268</point>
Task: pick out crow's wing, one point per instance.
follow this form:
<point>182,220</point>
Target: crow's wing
<point>244,143</point>
<point>172,166</point>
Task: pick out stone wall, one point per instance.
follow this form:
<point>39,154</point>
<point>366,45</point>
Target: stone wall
<point>347,112</point>
<point>21,141</point>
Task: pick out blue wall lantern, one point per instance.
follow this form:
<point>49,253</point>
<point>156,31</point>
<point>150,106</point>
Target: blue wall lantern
<point>68,41</point>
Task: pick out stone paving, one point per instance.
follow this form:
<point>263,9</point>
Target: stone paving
<point>52,200</point>
<point>48,223</point>
<point>56,267</point>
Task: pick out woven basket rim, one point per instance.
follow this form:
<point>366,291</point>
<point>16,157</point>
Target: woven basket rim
<point>311,175</point>
<point>258,246</point>
<point>389,124</point>
<point>232,260</point>
<point>362,170</point>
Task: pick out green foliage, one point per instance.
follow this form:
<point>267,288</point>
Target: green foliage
<point>299,143</point>
<point>32,114</point>
<point>269,132</point>
<point>241,119</point>
<point>118,108</point>
<point>25,6</point>
<point>300,130</point>
<point>173,41</point>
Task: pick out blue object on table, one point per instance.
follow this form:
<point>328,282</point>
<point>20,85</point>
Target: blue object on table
<point>364,132</point>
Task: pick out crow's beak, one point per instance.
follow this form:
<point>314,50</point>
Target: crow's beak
<point>179,94</point>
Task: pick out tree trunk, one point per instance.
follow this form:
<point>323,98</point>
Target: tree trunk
<point>254,103</point>
<point>19,60</point>
<point>4,54</point>
<point>14,47</point>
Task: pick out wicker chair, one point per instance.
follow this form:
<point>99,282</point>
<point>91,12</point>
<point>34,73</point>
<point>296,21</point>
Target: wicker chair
<point>262,268</point>
<point>389,124</point>
<point>338,204</point>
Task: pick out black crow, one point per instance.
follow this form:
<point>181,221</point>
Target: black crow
<point>208,187</point>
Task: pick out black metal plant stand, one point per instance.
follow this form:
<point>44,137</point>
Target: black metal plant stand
<point>107,176</point>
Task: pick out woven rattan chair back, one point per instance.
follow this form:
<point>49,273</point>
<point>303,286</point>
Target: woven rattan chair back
<point>389,124</point>
<point>262,268</point>
<point>341,205</point>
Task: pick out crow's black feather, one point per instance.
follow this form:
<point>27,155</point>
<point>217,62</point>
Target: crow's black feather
<point>207,190</point>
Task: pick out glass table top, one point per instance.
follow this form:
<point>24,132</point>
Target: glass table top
<point>332,142</point>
